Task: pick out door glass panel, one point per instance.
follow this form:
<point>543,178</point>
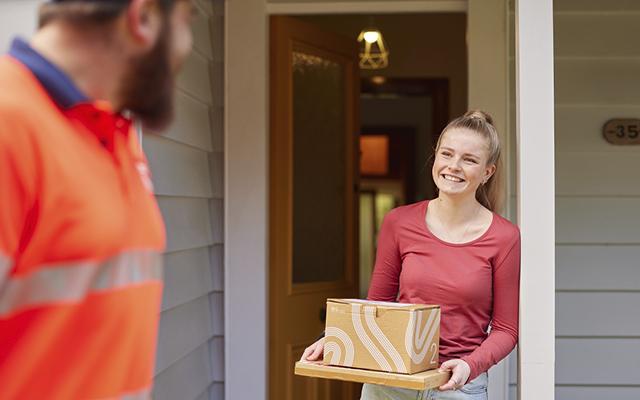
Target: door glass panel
<point>318,169</point>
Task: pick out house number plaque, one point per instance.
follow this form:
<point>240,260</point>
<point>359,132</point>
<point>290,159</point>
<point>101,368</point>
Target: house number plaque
<point>622,131</point>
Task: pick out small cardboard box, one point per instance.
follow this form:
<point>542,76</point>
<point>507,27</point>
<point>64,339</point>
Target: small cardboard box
<point>382,336</point>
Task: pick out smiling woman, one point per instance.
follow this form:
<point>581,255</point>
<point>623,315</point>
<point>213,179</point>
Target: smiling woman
<point>472,142</point>
<point>457,252</point>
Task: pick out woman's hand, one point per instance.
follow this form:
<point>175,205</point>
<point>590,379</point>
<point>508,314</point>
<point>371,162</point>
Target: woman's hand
<point>460,371</point>
<point>313,352</point>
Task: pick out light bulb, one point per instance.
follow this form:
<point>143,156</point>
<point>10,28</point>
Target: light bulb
<point>371,36</point>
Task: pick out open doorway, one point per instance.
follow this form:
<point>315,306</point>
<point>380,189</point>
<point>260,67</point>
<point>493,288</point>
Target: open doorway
<point>379,162</point>
<point>403,108</point>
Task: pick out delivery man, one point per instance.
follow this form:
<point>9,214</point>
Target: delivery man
<point>81,235</point>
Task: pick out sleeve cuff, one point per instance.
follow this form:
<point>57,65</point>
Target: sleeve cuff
<point>472,367</point>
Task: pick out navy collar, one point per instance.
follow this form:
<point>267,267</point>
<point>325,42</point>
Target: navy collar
<point>58,84</point>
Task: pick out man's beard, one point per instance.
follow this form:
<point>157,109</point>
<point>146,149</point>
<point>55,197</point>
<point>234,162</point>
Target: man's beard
<point>147,87</point>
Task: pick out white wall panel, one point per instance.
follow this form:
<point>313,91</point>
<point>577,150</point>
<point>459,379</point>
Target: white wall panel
<point>586,6</point>
<point>598,174</point>
<point>185,379</point>
<point>178,169</point>
<point>217,220</point>
<point>216,163</point>
<point>596,393</point>
<point>194,78</point>
<point>182,330</point>
<point>187,276</point>
<point>599,81</point>
<point>598,314</point>
<point>216,301</point>
<point>217,358</point>
<point>188,222</point>
<point>192,124</point>
<point>597,35</point>
<point>597,268</point>
<point>216,392</point>
<point>17,18</point>
<point>217,270</point>
<point>202,36</point>
<point>598,361</point>
<point>207,6</point>
<point>598,220</point>
<point>588,392</point>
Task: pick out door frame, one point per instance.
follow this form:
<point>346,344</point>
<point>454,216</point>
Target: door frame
<point>246,160</point>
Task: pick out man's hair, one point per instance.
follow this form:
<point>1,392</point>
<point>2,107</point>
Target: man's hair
<point>87,12</point>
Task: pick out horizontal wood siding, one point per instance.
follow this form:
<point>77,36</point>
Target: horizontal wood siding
<point>598,202</point>
<point>187,166</point>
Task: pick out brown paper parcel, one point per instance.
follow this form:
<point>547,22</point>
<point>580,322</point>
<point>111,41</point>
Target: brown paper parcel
<point>382,336</point>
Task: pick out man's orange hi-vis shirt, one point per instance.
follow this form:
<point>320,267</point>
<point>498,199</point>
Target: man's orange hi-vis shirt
<point>80,242</point>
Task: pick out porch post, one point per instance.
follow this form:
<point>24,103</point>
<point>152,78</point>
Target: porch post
<point>536,195</point>
<point>246,192</point>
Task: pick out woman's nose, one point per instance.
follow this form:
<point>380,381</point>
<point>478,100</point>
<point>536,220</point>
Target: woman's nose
<point>454,164</point>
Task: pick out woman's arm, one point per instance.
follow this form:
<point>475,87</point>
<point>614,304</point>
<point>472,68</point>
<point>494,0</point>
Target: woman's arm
<point>504,324</point>
<point>386,273</point>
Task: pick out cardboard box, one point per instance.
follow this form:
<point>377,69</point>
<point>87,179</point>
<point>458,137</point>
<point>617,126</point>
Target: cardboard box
<point>382,336</point>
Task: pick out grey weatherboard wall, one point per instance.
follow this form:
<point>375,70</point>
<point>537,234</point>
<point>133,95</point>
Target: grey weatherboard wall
<point>187,166</point>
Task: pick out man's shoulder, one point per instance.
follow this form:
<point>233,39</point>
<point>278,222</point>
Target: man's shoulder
<point>21,102</point>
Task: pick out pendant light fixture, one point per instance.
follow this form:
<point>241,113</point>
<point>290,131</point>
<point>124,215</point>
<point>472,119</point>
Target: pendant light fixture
<point>374,53</point>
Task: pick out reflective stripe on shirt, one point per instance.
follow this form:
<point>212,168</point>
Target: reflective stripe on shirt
<point>70,283</point>
<point>144,394</point>
<point>5,263</point>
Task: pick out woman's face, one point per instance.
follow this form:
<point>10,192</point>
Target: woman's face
<point>460,164</point>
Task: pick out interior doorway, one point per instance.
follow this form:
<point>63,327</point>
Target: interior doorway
<point>400,122</point>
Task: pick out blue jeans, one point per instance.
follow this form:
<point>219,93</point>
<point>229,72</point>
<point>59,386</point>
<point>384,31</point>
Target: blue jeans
<point>474,390</point>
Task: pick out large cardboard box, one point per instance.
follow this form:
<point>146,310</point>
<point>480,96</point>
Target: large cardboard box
<point>382,336</point>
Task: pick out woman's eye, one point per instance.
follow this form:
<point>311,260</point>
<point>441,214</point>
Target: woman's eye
<point>446,154</point>
<point>471,160</point>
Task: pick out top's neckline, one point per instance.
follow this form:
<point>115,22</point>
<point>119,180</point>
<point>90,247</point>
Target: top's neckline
<point>423,216</point>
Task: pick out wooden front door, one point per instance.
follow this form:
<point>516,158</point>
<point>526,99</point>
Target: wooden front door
<point>314,94</point>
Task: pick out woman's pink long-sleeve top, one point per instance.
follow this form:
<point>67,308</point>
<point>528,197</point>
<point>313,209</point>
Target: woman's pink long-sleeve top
<point>475,283</point>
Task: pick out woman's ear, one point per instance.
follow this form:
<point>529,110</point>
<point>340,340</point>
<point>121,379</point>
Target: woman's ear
<point>489,171</point>
<point>144,22</point>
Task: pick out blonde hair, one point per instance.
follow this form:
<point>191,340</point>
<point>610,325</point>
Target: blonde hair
<point>488,194</point>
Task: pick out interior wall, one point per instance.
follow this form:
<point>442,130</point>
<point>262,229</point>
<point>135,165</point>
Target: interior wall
<point>412,112</point>
<point>430,45</point>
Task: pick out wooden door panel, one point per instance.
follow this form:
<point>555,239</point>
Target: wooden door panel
<point>313,204</point>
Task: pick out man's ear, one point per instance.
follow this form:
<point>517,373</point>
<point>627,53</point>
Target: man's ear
<point>144,22</point>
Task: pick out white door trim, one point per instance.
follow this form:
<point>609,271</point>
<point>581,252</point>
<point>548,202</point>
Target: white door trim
<point>367,7</point>
<point>246,175</point>
<point>536,192</point>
